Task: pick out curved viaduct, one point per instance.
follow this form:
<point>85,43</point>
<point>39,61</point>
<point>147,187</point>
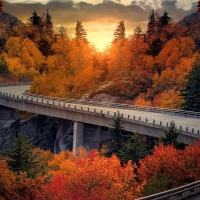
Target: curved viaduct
<point>145,120</point>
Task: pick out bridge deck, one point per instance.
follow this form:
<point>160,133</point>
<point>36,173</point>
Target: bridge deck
<point>164,117</point>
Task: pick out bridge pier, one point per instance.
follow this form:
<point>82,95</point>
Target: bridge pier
<point>86,135</point>
<point>6,114</point>
<point>77,136</point>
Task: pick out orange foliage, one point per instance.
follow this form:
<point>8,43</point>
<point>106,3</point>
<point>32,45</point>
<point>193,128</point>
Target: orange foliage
<point>140,100</point>
<point>14,186</point>
<point>165,159</point>
<point>86,176</point>
<point>168,99</point>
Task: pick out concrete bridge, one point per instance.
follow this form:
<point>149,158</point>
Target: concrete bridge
<point>89,116</point>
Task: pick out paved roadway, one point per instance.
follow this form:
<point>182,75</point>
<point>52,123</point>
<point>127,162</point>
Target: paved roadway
<point>179,120</point>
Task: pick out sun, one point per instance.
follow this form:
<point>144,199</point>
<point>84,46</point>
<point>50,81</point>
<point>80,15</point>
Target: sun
<point>100,40</point>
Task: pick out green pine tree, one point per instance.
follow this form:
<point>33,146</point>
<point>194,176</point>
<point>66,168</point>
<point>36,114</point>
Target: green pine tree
<point>165,19</point>
<point>135,148</point>
<point>49,19</point>
<point>170,136</point>
<point>191,91</point>
<point>35,19</point>
<point>119,32</point>
<point>3,67</point>
<point>151,21</point>
<point>21,156</point>
<point>118,135</point>
<point>159,183</point>
<point>80,33</point>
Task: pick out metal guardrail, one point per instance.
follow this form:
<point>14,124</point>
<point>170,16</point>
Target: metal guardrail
<point>126,106</point>
<point>14,84</point>
<point>75,104</point>
<point>178,193</point>
<point>116,105</point>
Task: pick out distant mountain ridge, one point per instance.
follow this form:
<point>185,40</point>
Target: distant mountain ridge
<point>8,18</point>
<point>188,20</point>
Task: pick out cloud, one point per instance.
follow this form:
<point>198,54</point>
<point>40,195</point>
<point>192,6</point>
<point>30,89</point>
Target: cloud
<point>101,17</point>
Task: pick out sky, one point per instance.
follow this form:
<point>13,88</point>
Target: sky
<point>100,17</point>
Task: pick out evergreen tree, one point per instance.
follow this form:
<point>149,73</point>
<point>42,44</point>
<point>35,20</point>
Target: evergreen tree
<point>49,19</point>
<point>151,21</point>
<point>119,32</point>
<point>135,148</point>
<point>170,136</point>
<point>3,67</point>
<point>21,156</point>
<point>191,91</point>
<point>118,135</point>
<point>155,47</point>
<point>35,19</point>
<point>165,19</point>
<point>159,183</point>
<point>80,31</point>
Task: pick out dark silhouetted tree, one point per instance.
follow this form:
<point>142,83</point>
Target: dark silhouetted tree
<point>191,91</point>
<point>35,19</point>
<point>80,33</point>
<point>165,19</point>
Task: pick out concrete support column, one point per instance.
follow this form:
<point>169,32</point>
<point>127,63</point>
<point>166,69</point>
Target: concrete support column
<point>6,114</point>
<point>91,138</point>
<point>77,136</point>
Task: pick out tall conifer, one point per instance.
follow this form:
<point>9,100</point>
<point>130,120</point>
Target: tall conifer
<point>191,91</point>
<point>21,157</point>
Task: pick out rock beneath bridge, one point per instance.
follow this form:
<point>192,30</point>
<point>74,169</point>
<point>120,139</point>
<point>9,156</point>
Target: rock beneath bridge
<point>47,133</point>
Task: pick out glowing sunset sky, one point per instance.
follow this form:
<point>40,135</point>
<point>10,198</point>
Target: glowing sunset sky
<point>100,18</point>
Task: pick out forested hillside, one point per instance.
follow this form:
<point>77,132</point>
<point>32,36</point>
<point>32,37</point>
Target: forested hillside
<point>146,68</point>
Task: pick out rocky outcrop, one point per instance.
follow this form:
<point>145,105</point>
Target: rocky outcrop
<point>107,98</point>
<point>44,132</point>
<point>8,134</point>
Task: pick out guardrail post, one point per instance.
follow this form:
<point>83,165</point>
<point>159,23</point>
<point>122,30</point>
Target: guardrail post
<point>128,116</point>
<point>154,121</point>
<point>160,123</point>
<point>68,105</point>
<point>139,118</point>
<point>180,127</point>
<point>88,109</point>
<point>167,124</point>
<point>95,110</point>
<point>101,111</point>
<point>53,102</point>
<point>108,112</point>
<point>186,129</point>
<point>75,106</point>
<point>198,132</point>
<point>192,130</point>
<point>146,119</point>
<point>134,117</point>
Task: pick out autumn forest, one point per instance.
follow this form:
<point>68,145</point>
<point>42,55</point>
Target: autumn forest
<point>145,68</point>
<point>152,68</point>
